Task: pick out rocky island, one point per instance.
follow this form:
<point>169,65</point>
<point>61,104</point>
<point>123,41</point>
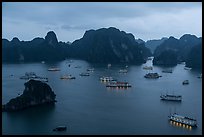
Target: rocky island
<point>35,93</point>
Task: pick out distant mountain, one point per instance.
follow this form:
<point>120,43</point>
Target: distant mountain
<point>38,49</point>
<point>182,47</point>
<point>152,44</point>
<point>106,45</point>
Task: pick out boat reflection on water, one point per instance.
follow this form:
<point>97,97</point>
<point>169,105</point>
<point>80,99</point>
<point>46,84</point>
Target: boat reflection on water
<point>180,125</point>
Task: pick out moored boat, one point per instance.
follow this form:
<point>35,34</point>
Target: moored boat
<point>183,120</point>
<point>187,68</point>
<point>169,97</point>
<point>60,128</point>
<point>67,77</point>
<point>152,75</point>
<point>90,69</point>
<point>123,71</point>
<point>84,74</point>
<point>109,65</point>
<point>117,84</point>
<point>148,67</point>
<point>53,69</point>
<point>185,82</point>
<point>200,76</point>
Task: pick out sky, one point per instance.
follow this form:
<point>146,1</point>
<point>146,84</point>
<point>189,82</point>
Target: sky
<point>70,20</point>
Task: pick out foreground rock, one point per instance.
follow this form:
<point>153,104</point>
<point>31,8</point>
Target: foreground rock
<point>35,93</point>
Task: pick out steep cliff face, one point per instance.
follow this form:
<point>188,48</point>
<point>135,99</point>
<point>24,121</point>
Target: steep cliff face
<point>194,59</point>
<point>166,58</point>
<point>51,38</point>
<point>109,45</point>
<point>35,93</point>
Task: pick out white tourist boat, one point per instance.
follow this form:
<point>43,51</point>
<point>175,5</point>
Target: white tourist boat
<point>169,97</point>
<point>183,120</point>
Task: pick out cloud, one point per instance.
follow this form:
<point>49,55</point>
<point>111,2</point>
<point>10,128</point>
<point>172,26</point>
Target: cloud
<point>69,20</point>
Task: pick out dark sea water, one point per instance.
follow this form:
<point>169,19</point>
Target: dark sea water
<point>86,106</point>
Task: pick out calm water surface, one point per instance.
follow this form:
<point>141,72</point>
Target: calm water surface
<point>86,106</point>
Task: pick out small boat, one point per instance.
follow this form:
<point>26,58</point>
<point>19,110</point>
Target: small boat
<point>117,84</point>
<point>148,67</point>
<point>109,65</point>
<point>200,76</point>
<point>149,58</point>
<point>169,97</point>
<point>67,77</point>
<point>84,74</point>
<point>123,71</point>
<point>167,71</point>
<point>106,79</point>
<point>185,82</point>
<point>183,120</point>
<point>40,79</point>
<point>90,69</point>
<point>187,68</point>
<point>53,69</point>
<point>77,66</point>
<point>152,75</point>
<point>182,62</point>
<point>60,128</point>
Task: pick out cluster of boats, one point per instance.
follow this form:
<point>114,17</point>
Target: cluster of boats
<point>32,75</point>
<point>179,119</point>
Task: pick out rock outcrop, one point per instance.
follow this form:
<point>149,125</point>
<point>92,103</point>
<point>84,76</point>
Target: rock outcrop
<point>35,93</point>
<point>166,58</point>
<point>109,45</point>
<point>181,46</point>
<point>194,59</point>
